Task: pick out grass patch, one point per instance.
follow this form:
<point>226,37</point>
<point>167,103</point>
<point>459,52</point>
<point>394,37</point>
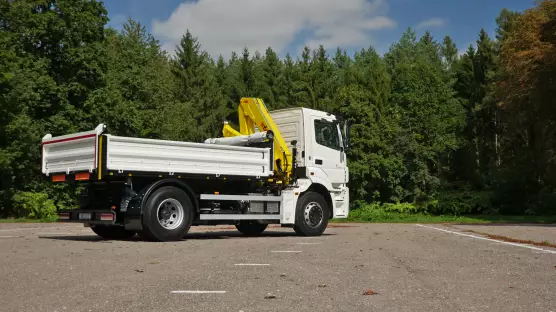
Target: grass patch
<point>25,220</point>
<point>374,213</point>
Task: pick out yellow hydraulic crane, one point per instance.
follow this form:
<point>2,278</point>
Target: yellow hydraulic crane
<point>253,113</point>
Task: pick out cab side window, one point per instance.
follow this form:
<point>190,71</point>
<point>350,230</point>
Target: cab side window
<point>326,134</point>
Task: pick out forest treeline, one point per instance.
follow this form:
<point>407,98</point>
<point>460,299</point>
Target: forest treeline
<point>445,132</point>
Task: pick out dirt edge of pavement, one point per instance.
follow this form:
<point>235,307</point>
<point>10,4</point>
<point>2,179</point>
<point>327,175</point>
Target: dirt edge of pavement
<point>507,239</point>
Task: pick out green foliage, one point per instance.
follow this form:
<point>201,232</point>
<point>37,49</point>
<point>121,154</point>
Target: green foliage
<point>34,205</point>
<point>403,208</point>
<point>422,116</point>
<point>453,202</point>
<point>200,101</point>
<point>431,117</point>
<point>376,166</point>
<point>463,202</point>
<point>449,52</point>
<point>527,62</point>
<point>401,212</point>
<point>375,213</point>
<point>49,66</point>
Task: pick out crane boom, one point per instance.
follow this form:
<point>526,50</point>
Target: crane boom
<point>253,113</point>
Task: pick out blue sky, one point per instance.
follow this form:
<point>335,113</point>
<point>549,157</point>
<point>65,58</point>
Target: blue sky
<point>226,25</point>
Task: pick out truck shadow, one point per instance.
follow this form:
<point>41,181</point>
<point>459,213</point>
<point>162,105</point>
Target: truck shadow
<point>235,234</point>
<point>190,236</point>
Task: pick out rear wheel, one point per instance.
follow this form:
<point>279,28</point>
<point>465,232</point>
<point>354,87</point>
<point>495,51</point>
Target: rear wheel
<point>251,228</point>
<point>311,215</point>
<point>168,215</point>
<point>112,232</point>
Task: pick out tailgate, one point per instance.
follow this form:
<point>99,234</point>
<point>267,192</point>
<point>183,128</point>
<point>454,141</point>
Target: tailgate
<point>70,153</point>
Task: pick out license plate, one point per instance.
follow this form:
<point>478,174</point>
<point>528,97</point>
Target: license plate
<point>84,216</point>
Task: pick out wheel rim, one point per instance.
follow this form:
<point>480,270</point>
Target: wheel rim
<point>313,214</point>
<point>170,214</point>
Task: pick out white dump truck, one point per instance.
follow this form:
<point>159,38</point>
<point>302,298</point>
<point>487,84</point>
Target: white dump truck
<point>283,167</point>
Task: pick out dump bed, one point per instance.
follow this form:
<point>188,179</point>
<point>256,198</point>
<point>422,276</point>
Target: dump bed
<point>70,153</point>
<point>98,153</point>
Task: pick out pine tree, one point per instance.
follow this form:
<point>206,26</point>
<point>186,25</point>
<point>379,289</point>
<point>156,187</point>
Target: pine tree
<point>341,63</point>
<point>201,98</point>
<point>465,166</point>
<point>506,22</point>
<point>485,69</point>
<point>376,167</point>
<point>322,82</point>
<point>287,83</point>
<point>138,82</point>
<point>272,72</point>
<point>234,88</point>
<point>429,114</point>
<point>449,52</point>
<point>221,72</point>
<point>304,89</point>
<point>226,84</point>
<point>247,74</point>
<point>261,88</point>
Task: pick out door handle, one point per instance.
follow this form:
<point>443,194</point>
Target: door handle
<point>318,161</point>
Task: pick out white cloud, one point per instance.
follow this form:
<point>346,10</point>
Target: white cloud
<point>433,22</point>
<point>223,26</point>
<point>378,22</point>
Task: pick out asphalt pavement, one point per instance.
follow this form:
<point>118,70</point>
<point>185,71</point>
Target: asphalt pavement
<point>352,267</point>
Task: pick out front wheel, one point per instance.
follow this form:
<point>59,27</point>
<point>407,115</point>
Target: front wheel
<point>251,228</point>
<point>112,232</point>
<point>311,215</point>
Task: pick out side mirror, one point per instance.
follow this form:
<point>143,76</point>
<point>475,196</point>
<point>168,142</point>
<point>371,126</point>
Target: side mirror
<point>347,127</point>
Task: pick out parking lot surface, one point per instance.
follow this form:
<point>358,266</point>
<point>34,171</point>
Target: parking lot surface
<point>352,267</point>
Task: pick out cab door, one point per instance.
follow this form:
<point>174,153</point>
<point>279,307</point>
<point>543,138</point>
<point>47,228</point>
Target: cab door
<point>327,150</point>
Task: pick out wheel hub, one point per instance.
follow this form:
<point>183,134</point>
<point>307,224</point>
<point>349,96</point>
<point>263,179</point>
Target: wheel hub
<point>170,214</point>
<point>313,214</point>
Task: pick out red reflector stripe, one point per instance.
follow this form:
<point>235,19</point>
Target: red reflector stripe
<point>64,215</point>
<point>70,139</point>
<point>59,178</point>
<point>82,176</point>
<point>106,217</point>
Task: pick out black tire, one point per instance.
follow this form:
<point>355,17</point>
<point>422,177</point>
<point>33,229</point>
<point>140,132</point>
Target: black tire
<point>171,197</point>
<point>306,228</point>
<point>112,232</point>
<point>251,228</point>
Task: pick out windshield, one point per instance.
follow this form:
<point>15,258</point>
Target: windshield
<point>327,134</point>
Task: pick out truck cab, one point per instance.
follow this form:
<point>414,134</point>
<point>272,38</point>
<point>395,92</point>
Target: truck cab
<point>321,152</point>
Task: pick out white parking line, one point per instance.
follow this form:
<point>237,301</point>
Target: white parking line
<point>198,291</point>
<point>10,236</point>
<point>252,264</point>
<point>489,239</point>
<point>542,252</point>
<point>286,251</point>
<point>18,229</point>
<point>37,228</point>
